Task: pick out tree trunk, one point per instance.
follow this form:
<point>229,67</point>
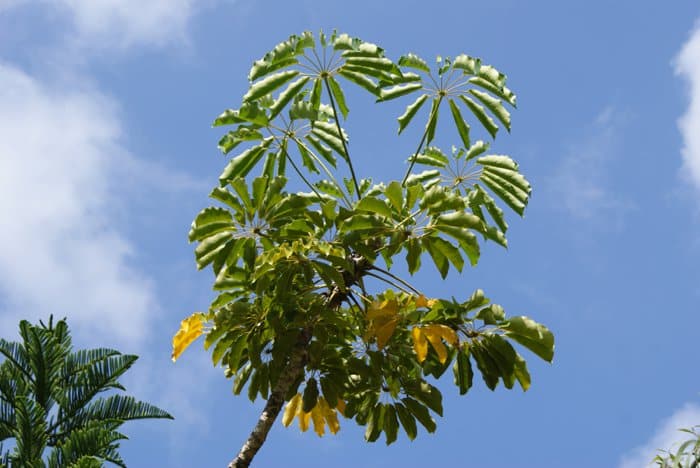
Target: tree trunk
<point>295,366</point>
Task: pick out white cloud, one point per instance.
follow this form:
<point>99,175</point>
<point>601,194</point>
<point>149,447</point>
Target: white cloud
<point>60,252</point>
<point>687,65</point>
<point>667,436</point>
<point>122,24</point>
<point>580,183</point>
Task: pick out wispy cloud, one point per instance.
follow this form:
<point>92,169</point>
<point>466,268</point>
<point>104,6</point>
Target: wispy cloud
<point>121,24</point>
<point>687,65</point>
<point>581,182</point>
<point>667,436</point>
<point>60,249</point>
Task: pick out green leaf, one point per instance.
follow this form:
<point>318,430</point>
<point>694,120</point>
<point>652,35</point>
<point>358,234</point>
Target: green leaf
<point>462,126</point>
<point>315,98</point>
<point>233,138</point>
<point>481,114</point>
<point>408,421</point>
<point>374,205</point>
<point>375,423</point>
<point>325,152</point>
<point>432,121</point>
<point>441,262</point>
<point>421,413</point>
<point>460,219</point>
<point>491,314</point>
<point>287,95</point>
<point>476,149</point>
<point>210,221</point>
<point>249,112</point>
<point>486,365</point>
<point>515,199</point>
<point>503,355</point>
<point>413,252</point>
<point>413,61</point>
<point>429,395</point>
<point>534,336</point>
<point>463,373</point>
<point>394,193</point>
<point>331,140</point>
<point>469,64</point>
<point>422,177</point>
<point>433,156</point>
<point>398,91</point>
<point>242,164</point>
<point>502,92</point>
<point>494,105</point>
<point>411,111</point>
<point>360,80</point>
<point>338,95</point>
<point>269,84</point>
<point>521,372</point>
<point>391,424</point>
<point>376,63</point>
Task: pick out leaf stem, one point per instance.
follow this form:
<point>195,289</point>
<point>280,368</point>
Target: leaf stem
<point>422,141</point>
<point>342,139</point>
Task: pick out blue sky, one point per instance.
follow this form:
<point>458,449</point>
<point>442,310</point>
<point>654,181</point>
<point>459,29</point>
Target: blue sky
<point>107,153</point>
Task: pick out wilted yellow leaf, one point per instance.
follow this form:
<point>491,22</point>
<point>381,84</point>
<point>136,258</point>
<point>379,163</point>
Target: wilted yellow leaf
<point>439,348</point>
<point>433,333</point>
<point>443,331</point>
<point>291,410</point>
<point>304,419</point>
<point>422,301</point>
<point>383,317</point>
<point>190,329</point>
<point>317,417</point>
<point>340,406</point>
<point>330,415</point>
<point>420,344</point>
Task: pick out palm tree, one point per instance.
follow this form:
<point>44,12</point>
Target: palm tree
<point>49,400</point>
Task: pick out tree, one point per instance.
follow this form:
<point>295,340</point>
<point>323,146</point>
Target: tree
<point>48,399</point>
<point>687,455</point>
<point>300,316</point>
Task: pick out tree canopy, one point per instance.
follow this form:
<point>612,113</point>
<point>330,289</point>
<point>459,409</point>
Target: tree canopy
<point>301,316</point>
<point>49,399</point>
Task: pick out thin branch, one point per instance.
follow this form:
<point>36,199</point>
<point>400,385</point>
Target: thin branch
<point>397,278</point>
<point>388,281</point>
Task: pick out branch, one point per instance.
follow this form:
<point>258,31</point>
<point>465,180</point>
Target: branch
<point>297,361</point>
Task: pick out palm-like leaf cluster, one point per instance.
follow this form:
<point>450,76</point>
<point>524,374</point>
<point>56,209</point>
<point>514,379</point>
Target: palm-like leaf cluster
<point>49,400</point>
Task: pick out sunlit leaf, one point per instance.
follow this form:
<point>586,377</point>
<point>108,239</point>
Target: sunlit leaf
<point>191,328</point>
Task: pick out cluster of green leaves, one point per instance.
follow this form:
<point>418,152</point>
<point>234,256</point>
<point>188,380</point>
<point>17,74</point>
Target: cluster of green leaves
<point>48,398</point>
<point>286,262</point>
<point>687,455</point>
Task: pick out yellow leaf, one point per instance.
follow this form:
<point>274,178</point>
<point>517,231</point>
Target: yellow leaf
<point>443,331</point>
<point>383,317</point>
<point>329,415</point>
<point>421,301</point>
<point>190,329</point>
<point>291,410</point>
<point>420,345</point>
<point>340,406</point>
<point>319,422</point>
<point>439,348</point>
<point>386,308</point>
<point>304,419</point>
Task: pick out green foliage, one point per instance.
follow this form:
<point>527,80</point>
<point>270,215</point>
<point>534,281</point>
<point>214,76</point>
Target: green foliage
<point>48,399</point>
<point>290,263</point>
